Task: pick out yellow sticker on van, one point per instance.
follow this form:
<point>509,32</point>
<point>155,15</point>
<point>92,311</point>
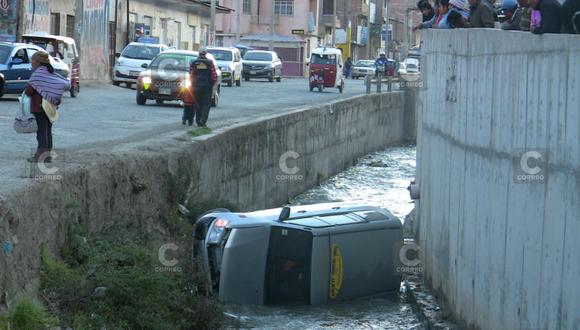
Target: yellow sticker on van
<point>336,271</point>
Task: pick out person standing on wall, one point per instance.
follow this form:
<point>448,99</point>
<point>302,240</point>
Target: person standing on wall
<point>203,77</point>
<point>45,89</point>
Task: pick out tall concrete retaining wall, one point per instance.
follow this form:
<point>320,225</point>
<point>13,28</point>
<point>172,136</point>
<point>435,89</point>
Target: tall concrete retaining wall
<point>253,165</point>
<point>502,254</point>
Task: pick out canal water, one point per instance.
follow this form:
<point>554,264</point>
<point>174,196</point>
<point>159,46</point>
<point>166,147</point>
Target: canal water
<point>378,179</point>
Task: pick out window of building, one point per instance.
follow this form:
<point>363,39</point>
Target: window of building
<point>284,7</point>
<point>55,23</point>
<point>193,35</point>
<point>247,10</point>
<point>327,7</point>
<point>70,26</point>
<point>148,21</point>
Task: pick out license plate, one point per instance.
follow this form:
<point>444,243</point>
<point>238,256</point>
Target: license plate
<point>165,91</point>
<point>134,73</point>
<point>252,72</point>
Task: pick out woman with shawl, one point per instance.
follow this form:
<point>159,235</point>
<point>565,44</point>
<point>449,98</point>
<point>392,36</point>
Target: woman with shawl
<point>45,89</point>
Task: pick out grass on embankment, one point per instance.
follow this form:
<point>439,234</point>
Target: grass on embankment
<point>200,131</point>
<point>113,281</point>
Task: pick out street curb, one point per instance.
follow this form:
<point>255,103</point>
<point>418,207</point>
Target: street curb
<point>429,311</point>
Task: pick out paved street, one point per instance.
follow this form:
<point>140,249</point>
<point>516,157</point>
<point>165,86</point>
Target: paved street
<point>105,115</point>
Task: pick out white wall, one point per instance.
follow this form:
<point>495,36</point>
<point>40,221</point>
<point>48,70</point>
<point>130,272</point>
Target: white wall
<point>503,255</point>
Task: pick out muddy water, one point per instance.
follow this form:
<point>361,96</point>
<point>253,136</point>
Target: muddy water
<point>378,179</point>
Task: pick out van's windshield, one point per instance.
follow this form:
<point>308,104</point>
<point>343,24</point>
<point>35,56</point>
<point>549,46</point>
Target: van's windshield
<point>221,55</point>
<point>323,59</point>
<point>140,52</point>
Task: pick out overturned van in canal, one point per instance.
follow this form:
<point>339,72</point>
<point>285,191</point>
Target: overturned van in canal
<point>311,254</point>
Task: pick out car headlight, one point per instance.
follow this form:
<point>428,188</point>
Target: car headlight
<point>217,231</point>
<point>146,80</point>
<point>186,83</point>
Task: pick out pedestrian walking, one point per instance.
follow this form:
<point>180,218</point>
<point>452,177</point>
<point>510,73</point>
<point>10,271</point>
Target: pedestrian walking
<point>203,77</point>
<point>45,89</point>
<point>348,68</point>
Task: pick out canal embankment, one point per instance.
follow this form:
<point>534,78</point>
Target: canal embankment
<point>254,165</point>
<point>498,167</point>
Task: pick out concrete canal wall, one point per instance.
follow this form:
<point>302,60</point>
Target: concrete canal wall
<point>502,253</point>
<point>253,165</point>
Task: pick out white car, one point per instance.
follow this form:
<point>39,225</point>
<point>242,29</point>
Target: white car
<point>229,60</point>
<point>411,66</point>
<point>130,62</point>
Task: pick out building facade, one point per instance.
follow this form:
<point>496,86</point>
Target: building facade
<point>295,29</point>
<point>102,28</point>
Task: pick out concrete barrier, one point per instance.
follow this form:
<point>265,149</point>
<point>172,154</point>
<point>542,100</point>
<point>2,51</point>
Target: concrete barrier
<point>253,165</point>
<point>502,254</point>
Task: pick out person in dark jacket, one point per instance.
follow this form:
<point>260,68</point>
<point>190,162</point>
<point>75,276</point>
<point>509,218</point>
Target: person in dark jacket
<point>203,77</point>
<point>551,16</point>
<point>482,14</point>
<point>571,16</point>
<point>426,10</point>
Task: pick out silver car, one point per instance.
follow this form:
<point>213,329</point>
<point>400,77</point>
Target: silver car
<point>312,254</point>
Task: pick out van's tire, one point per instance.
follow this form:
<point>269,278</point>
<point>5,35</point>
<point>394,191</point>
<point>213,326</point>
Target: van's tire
<point>159,102</point>
<point>116,83</point>
<point>129,85</point>
<point>279,79</point>
<point>141,99</point>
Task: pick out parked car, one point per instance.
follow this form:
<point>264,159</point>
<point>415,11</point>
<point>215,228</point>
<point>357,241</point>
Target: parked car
<point>299,255</point>
<point>167,78</point>
<point>363,68</point>
<point>130,61</point>
<point>402,68</point>
<point>16,66</point>
<point>262,64</point>
<point>229,60</point>
<point>411,66</point>
<point>62,49</point>
<point>243,49</point>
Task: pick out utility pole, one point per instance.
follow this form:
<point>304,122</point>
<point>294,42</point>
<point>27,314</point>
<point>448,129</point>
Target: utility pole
<point>128,25</point>
<point>239,10</point>
<point>212,24</point>
<point>271,43</point>
<point>334,23</point>
<point>369,33</point>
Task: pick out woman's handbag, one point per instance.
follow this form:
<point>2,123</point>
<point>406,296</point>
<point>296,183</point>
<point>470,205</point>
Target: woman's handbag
<point>25,122</point>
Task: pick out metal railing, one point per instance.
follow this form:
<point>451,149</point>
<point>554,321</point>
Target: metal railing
<point>379,81</point>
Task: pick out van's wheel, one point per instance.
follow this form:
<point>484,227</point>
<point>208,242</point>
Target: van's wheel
<point>129,85</point>
<point>279,79</point>
<point>116,83</point>
<point>141,99</point>
<point>246,78</point>
<point>159,101</point>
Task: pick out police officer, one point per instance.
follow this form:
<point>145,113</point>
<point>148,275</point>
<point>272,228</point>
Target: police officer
<point>381,64</point>
<point>203,77</point>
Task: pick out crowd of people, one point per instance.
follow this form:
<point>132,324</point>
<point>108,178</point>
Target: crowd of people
<point>536,16</point>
